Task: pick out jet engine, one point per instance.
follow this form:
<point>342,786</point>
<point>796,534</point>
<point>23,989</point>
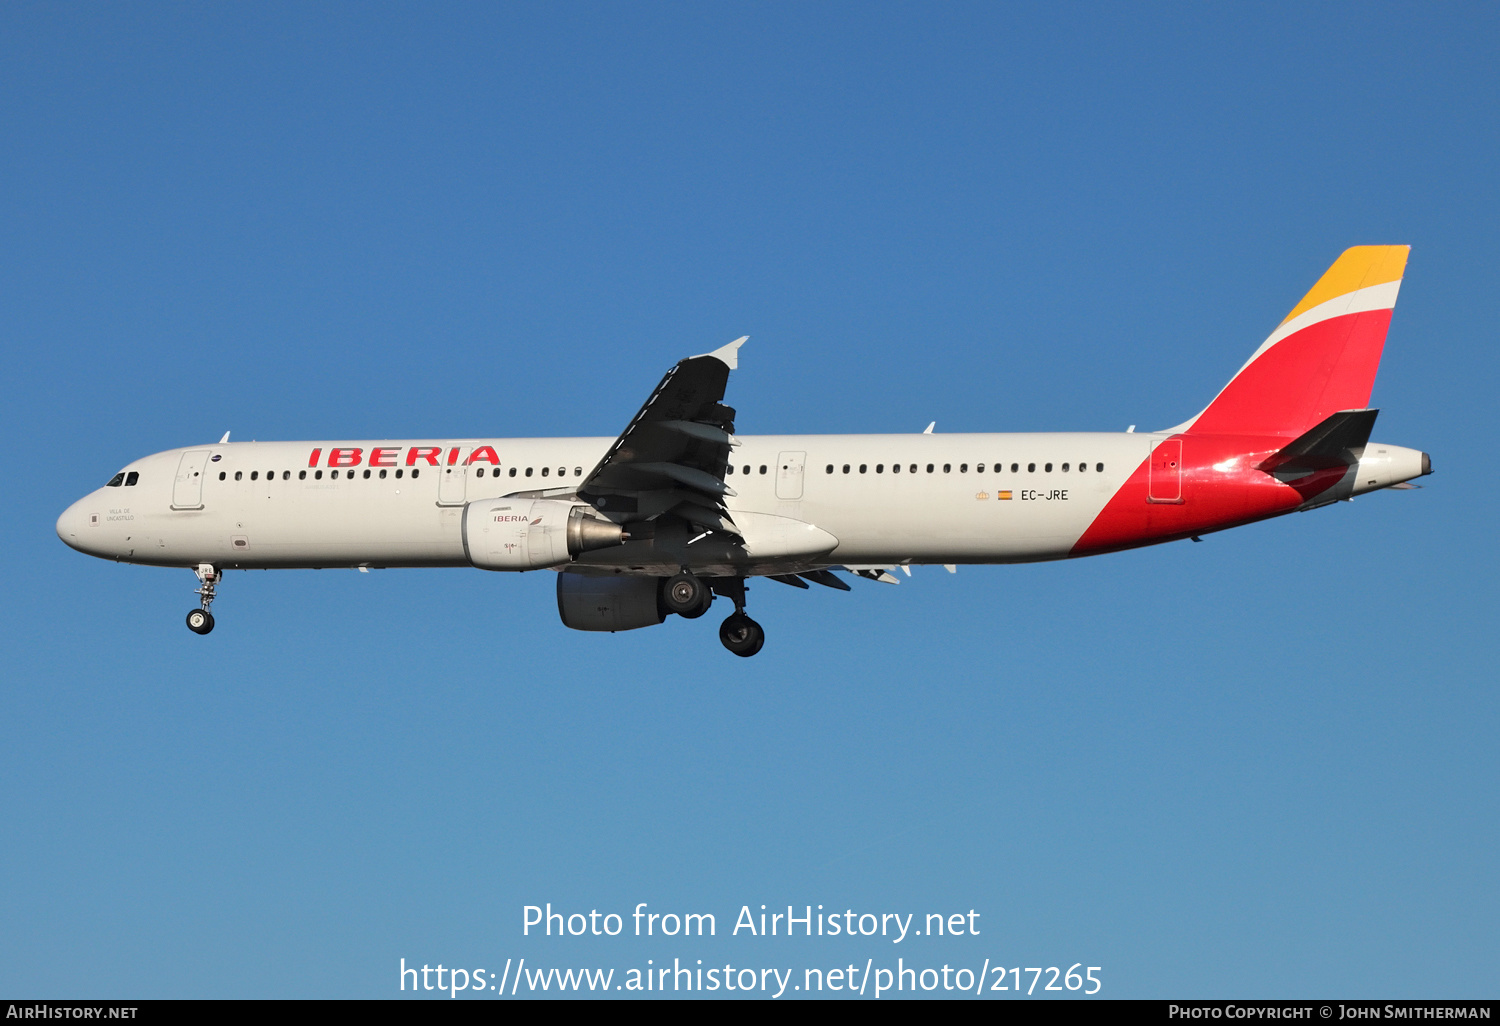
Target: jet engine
<point>529,534</point>
<point>618,602</point>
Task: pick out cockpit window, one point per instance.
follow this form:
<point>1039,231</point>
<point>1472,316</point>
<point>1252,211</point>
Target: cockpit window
<point>131,478</point>
<point>117,480</point>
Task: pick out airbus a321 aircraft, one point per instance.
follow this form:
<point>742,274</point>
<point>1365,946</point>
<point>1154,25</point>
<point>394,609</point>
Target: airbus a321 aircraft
<point>679,509</point>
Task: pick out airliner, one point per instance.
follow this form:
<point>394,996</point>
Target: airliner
<point>680,510</point>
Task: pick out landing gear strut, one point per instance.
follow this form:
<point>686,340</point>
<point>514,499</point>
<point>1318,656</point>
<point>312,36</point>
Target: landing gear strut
<point>740,634</point>
<point>201,621</point>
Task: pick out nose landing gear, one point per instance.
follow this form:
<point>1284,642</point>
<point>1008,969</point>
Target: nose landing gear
<point>201,621</point>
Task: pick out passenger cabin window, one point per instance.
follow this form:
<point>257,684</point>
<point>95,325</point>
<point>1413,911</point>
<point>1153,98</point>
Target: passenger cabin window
<point>301,475</point>
<point>1099,467</point>
<point>1031,468</point>
<point>222,475</point>
<point>238,474</point>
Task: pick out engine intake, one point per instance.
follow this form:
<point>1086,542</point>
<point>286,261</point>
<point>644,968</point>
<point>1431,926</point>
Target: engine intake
<point>530,534</point>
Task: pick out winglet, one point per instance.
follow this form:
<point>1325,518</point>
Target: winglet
<point>729,355</point>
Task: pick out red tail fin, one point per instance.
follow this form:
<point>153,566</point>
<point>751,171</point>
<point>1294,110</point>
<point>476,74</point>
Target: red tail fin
<point>1323,356</point>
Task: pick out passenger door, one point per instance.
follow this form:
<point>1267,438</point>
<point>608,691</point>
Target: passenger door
<point>187,490</point>
<point>1165,472</point>
<point>453,482</point>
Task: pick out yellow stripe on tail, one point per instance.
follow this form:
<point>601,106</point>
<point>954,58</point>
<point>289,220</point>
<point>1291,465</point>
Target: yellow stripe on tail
<point>1358,268</point>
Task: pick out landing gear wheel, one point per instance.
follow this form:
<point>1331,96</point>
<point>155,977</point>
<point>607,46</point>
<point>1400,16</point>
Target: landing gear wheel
<point>200,620</point>
<point>742,635</point>
<point>687,596</point>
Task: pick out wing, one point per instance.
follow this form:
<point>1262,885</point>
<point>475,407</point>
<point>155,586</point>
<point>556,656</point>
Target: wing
<point>671,457</point>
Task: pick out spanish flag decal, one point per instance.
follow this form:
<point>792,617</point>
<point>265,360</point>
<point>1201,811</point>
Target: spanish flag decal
<point>1003,495</point>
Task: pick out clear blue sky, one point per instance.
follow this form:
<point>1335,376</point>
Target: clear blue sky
<point>1260,766</point>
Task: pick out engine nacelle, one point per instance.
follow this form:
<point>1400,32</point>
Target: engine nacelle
<point>1384,465</point>
<point>530,534</point>
<point>618,602</point>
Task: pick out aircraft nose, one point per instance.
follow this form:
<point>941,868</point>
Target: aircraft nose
<point>73,525</point>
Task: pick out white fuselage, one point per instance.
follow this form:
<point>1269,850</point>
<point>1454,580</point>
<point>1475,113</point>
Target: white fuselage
<point>972,498</point>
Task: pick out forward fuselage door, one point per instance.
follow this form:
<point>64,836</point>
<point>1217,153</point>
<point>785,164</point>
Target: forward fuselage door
<point>789,474</point>
<point>1165,472</point>
<point>453,482</point>
<point>187,490</point>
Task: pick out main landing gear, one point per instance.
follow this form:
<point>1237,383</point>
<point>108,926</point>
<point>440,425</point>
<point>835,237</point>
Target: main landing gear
<point>742,635</point>
<point>201,621</point>
<point>689,596</point>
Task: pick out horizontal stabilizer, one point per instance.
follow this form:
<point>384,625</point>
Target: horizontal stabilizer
<point>1338,441</point>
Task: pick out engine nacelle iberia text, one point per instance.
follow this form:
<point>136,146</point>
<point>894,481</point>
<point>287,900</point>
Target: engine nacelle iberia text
<point>531,534</point>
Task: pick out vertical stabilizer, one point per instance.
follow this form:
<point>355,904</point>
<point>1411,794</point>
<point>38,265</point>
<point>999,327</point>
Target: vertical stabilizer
<point>1323,356</point>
